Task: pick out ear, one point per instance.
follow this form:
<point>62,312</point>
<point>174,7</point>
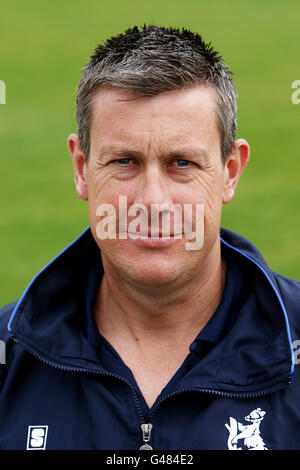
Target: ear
<point>234,168</point>
<point>79,166</point>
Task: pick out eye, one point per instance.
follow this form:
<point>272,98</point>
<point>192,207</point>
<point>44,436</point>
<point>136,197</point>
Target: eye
<point>182,163</point>
<point>127,163</point>
<point>124,161</point>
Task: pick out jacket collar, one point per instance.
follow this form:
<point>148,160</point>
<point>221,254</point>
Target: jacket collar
<point>255,355</point>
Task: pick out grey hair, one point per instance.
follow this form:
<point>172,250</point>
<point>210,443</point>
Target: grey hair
<point>154,60</point>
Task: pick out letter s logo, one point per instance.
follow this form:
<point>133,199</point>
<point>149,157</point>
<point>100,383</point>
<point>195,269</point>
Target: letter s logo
<point>37,436</point>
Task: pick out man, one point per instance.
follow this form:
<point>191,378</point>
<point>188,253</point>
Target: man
<point>133,337</point>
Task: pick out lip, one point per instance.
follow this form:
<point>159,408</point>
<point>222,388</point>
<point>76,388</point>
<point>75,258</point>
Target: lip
<point>146,240</point>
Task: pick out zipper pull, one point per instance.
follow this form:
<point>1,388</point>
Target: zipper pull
<point>146,430</point>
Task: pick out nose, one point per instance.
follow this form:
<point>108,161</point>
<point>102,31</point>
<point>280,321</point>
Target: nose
<point>153,186</point>
<point>154,192</point>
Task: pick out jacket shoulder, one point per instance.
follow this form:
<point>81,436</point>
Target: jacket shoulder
<point>287,285</point>
<point>290,292</point>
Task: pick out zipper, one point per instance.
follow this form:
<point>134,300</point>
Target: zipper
<point>146,431</point>
<point>147,427</point>
<point>263,393</point>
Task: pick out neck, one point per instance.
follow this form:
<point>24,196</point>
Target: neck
<point>132,313</point>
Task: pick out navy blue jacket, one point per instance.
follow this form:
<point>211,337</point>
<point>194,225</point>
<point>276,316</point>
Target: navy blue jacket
<point>242,394</point>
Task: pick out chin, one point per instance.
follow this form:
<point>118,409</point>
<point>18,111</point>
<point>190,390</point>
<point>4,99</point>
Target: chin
<point>155,278</point>
<point>149,272</point>
<point>153,268</point>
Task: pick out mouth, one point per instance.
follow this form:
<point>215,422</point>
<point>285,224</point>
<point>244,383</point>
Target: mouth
<point>160,240</point>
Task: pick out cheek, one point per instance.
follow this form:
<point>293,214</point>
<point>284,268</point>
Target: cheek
<point>106,191</point>
<point>206,188</point>
<point>210,194</point>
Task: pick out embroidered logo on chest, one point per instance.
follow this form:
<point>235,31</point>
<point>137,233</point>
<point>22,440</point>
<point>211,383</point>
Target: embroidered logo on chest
<point>246,436</point>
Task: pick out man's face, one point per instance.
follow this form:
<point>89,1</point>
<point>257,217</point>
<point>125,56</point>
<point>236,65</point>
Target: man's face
<point>156,150</point>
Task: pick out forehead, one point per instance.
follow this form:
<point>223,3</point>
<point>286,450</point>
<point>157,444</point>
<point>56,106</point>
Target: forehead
<point>185,116</point>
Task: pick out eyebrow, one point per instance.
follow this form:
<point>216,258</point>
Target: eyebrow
<point>189,153</point>
<point>184,152</point>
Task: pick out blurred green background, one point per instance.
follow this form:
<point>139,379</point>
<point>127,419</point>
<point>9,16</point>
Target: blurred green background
<point>44,46</point>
